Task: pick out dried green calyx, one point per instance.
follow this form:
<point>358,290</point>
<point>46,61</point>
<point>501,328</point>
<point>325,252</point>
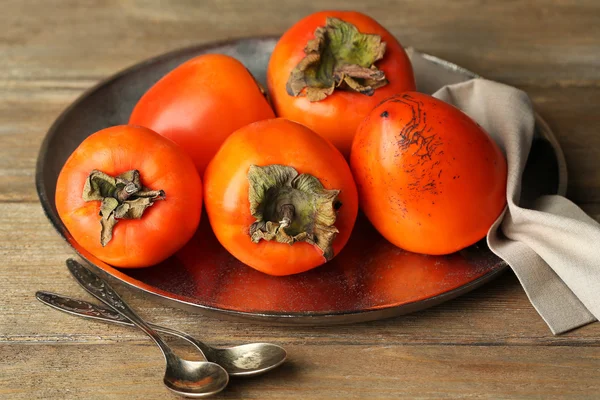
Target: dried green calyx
<point>291,207</point>
<point>122,197</point>
<point>340,57</point>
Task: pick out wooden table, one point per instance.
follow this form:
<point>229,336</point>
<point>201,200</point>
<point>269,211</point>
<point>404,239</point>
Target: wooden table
<point>488,344</point>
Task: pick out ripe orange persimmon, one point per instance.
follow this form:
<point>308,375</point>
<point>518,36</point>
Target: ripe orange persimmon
<point>429,178</point>
<point>129,196</point>
<point>200,103</point>
<point>331,68</point>
<point>279,197</point>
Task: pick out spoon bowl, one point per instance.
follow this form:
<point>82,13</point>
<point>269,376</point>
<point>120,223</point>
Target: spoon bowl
<point>194,379</point>
<point>249,359</point>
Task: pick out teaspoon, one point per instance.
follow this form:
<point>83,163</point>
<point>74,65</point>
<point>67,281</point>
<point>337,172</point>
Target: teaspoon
<point>244,360</point>
<point>183,377</point>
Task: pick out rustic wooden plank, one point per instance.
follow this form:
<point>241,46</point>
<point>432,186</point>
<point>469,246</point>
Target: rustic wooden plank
<point>25,117</point>
<point>517,42</point>
<point>343,372</point>
<point>497,314</point>
<point>27,113</point>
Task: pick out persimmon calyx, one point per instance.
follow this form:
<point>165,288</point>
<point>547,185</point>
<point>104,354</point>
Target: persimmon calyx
<point>291,207</point>
<point>339,57</point>
<point>122,197</point>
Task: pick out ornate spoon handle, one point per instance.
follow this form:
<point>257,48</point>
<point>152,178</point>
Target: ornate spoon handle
<point>85,309</point>
<point>101,290</point>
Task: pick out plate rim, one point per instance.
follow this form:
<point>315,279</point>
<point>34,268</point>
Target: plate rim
<point>299,318</point>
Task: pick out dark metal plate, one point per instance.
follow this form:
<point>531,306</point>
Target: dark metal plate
<point>370,279</point>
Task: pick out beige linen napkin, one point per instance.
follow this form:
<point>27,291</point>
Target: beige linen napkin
<point>553,247</point>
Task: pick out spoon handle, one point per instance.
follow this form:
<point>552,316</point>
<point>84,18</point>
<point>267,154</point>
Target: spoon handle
<point>101,290</point>
<point>85,309</point>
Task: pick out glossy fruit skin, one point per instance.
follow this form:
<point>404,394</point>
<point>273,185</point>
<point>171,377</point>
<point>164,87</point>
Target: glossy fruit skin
<point>165,226</point>
<point>283,142</point>
<point>200,103</point>
<point>430,179</point>
<point>336,117</point>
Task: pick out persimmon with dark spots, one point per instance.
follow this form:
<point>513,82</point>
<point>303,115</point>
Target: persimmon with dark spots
<point>430,179</point>
<point>129,196</point>
<point>200,103</point>
<point>331,68</point>
<point>279,197</point>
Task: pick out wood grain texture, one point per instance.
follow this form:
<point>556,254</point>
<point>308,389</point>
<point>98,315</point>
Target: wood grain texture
<point>96,371</point>
<point>516,42</point>
<point>488,344</point>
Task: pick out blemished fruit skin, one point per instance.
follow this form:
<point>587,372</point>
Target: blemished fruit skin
<point>336,117</point>
<point>429,178</point>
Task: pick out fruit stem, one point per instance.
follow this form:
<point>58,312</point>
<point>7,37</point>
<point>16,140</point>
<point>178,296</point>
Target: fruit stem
<point>287,212</point>
<point>291,207</point>
<point>122,197</point>
<point>339,57</point>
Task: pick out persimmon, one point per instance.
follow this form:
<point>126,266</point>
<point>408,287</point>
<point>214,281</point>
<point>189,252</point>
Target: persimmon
<point>201,102</point>
<point>129,196</point>
<point>430,179</point>
<point>279,197</point>
<point>331,68</point>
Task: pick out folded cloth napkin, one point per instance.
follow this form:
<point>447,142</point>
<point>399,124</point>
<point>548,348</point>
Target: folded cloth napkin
<point>553,246</point>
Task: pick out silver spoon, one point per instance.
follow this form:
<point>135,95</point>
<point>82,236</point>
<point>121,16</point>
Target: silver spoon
<point>183,377</point>
<point>245,360</point>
